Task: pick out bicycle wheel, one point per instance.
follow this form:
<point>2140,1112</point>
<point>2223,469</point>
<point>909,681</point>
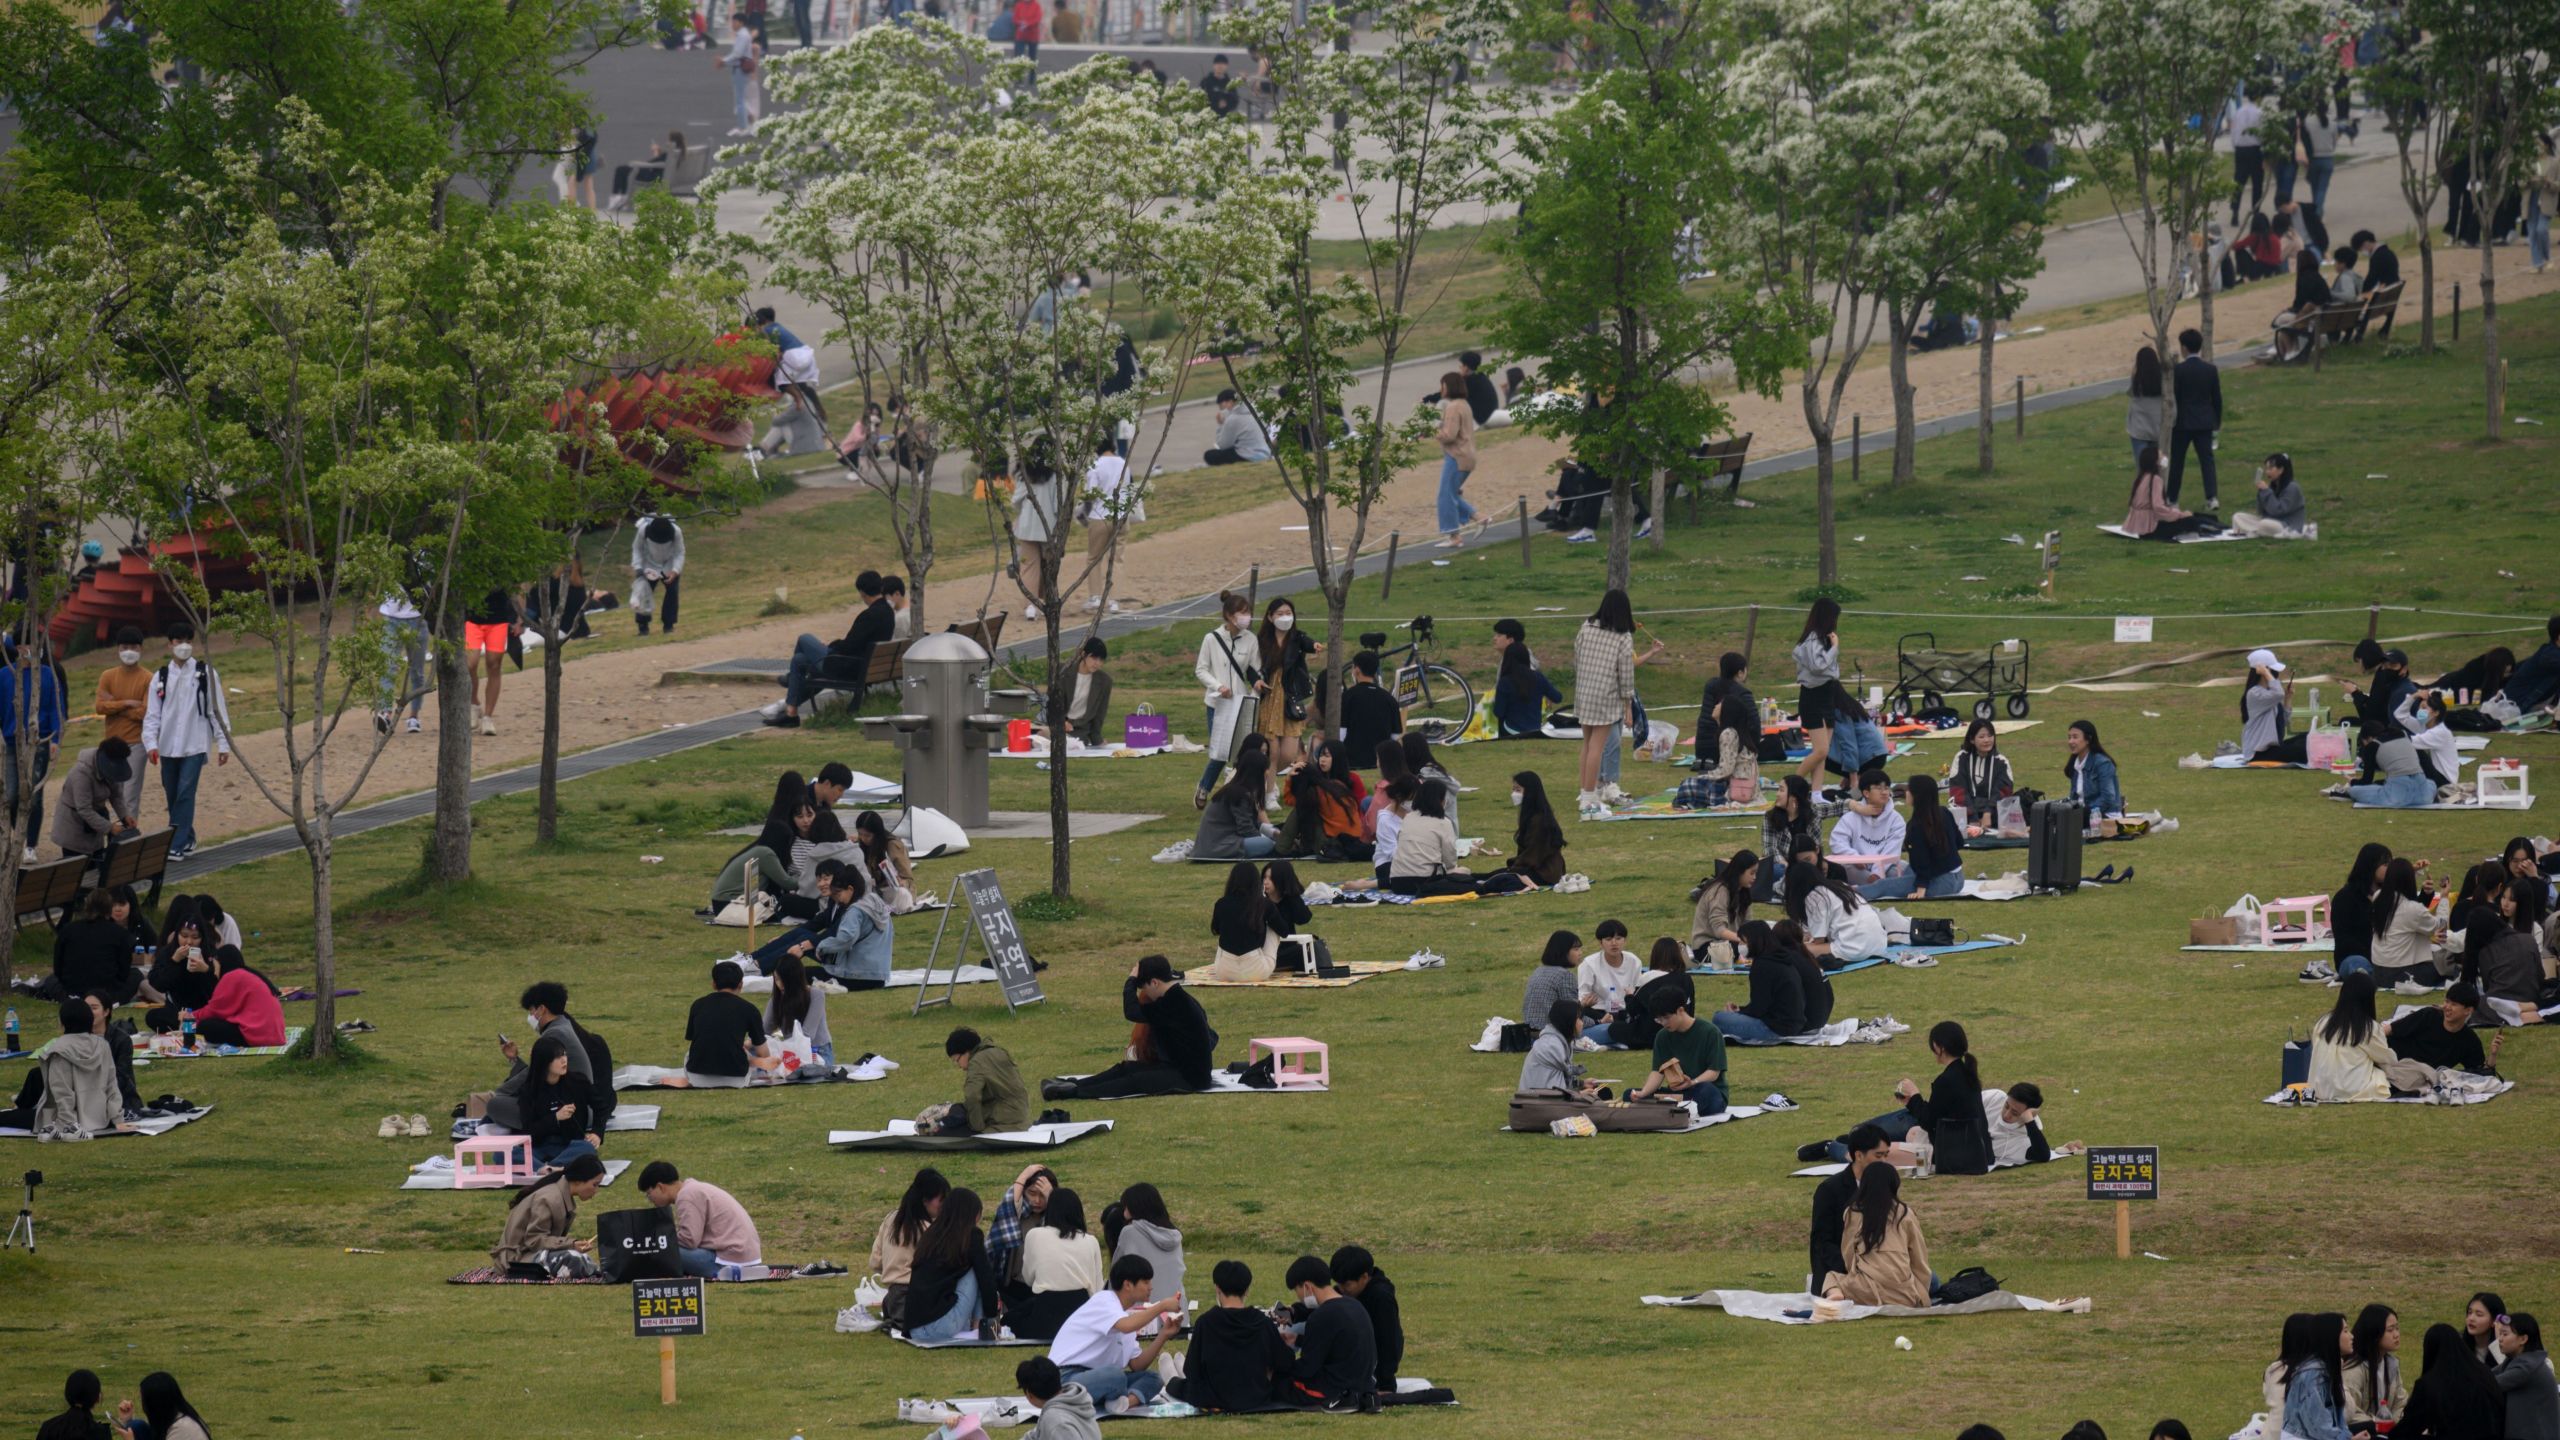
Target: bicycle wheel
<point>1443,703</point>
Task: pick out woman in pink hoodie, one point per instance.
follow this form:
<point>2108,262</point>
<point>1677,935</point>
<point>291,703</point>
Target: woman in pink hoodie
<point>244,1010</point>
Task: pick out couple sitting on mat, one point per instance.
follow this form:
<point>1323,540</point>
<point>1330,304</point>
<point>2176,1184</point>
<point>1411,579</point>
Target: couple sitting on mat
<point>1260,909</point>
<point>1171,1048</point>
<point>1958,1127</point>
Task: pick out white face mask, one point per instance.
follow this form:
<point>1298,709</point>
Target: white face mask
<point>1284,623</point>
<point>181,651</point>
<point>533,1022</point>
<point>1237,621</point>
<point>129,657</point>
<point>1516,799</point>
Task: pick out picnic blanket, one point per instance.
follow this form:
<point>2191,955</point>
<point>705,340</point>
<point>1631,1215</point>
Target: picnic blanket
<point>2021,842</point>
<point>436,1173</point>
<point>997,1412</point>
<point>1897,955</point>
<point>2474,806</point>
<point>2480,1093</point>
<point>494,1275</point>
<point>1078,750</point>
<point>2317,947</point>
<point>1817,1172</point>
<point>1220,1083</point>
<point>292,1037</point>
<point>2122,533</point>
<point>150,1125</point>
<point>1703,1122</point>
<point>1004,1339</point>
<point>1658,807</point>
<point>1957,732</point>
<point>1798,1308</point>
<point>1291,980</point>
<point>305,992</point>
<point>902,1135</point>
<point>648,1077</point>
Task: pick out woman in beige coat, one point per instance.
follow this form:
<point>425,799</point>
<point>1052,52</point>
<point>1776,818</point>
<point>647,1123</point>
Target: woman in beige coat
<point>1457,457</point>
<point>1880,1241</point>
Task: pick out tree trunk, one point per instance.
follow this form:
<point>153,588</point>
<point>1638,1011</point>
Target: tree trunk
<point>324,938</point>
<point>1061,878</point>
<point>455,714</point>
<point>1906,413</point>
<point>2204,304</point>
<point>1828,572</point>
<point>2495,388</point>
<point>1661,505</point>
<point>1985,430</point>
<point>546,809</point>
<point>1622,524</point>
<point>2427,289</point>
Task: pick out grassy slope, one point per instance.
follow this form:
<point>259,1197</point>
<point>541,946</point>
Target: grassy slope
<point>1519,1259</point>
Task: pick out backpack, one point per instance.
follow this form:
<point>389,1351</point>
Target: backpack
<point>1970,1283</point>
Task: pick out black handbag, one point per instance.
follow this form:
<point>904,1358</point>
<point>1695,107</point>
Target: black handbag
<point>1933,932</point>
<point>1970,1283</point>
<point>1516,1039</point>
<point>636,1245</point>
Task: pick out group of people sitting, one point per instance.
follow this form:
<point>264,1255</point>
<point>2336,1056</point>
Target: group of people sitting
<point>840,892</point>
<point>561,1094</point>
<point>2497,930</point>
<point>1108,1295</point>
<point>158,1411</point>
<point>2488,1377</point>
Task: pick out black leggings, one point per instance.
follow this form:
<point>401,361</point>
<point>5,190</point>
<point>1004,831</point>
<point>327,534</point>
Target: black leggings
<point>2294,750</point>
<point>1130,1078</point>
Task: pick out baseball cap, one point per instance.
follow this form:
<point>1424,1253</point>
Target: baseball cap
<point>2266,660</point>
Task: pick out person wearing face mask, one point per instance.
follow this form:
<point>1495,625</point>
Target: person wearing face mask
<point>185,718</point>
<point>124,690</point>
<point>546,1005</point>
<point>1230,680</point>
<point>1282,652</point>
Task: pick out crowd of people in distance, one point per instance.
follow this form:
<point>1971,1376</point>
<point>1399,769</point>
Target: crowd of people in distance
<point>1108,1295</point>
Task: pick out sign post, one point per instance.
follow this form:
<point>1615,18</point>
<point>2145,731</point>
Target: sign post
<point>2124,1174</point>
<point>991,917</point>
<point>667,1309</point>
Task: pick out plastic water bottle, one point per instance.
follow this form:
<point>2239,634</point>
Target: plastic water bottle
<point>187,1028</point>
<point>11,1022</point>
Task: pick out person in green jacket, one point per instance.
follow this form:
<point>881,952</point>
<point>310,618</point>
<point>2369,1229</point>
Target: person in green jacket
<point>992,1096</point>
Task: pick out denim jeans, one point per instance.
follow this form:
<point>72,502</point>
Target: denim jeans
<point>1897,883</point>
<point>1743,1029</point>
<point>1256,847</point>
<point>1110,1383</point>
<point>1598,1033</point>
<point>1609,755</point>
<point>808,663</point>
<point>560,1152</point>
<point>1707,1095</point>
<point>1217,763</point>
<point>962,1317</point>
<point>706,1263</point>
<point>2537,230</point>
<point>178,774</point>
<point>2321,168</point>
<point>1454,509</point>
<point>404,656</point>
<point>1894,1123</point>
<point>2400,792</point>
<point>739,80</point>
<point>2285,171</point>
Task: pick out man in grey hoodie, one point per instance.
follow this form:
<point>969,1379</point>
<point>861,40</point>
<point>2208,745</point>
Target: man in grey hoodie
<point>1066,1411</point>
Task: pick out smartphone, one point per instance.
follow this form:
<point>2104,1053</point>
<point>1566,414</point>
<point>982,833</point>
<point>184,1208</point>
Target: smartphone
<point>504,1039</point>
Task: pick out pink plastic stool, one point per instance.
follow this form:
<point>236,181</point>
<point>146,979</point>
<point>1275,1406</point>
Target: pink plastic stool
<point>2298,920</point>
<point>1289,1054</point>
<point>485,1162</point>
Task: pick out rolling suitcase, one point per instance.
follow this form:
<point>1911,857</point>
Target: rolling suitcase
<point>2053,844</point>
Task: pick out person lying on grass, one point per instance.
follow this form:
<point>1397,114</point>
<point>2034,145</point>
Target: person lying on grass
<point>536,1244</point>
<point>1175,1051</point>
<point>1098,1347</point>
<point>726,1036</point>
<point>2442,1035</point>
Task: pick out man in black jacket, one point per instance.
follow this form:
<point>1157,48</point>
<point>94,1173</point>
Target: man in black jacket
<point>1236,1352</point>
<point>2381,263</point>
<point>1337,1365</point>
<point>1356,1274</point>
<point>2198,388</point>
<point>1177,1030</point>
<point>1733,673</point>
<point>1831,1198</point>
<point>1482,398</point>
<point>813,660</point>
<point>1369,714</point>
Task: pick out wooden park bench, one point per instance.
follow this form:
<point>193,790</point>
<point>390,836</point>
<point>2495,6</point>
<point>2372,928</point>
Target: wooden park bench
<point>2382,304</point>
<point>50,890</point>
<point>139,861</point>
<point>1717,460</point>
<point>887,658</point>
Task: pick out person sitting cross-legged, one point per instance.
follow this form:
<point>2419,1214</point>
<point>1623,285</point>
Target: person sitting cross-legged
<point>1688,1058</point>
<point>1549,1063</point>
<point>725,1034</point>
<point>1337,1365</point>
<point>1236,1352</point>
<point>1098,1346</point>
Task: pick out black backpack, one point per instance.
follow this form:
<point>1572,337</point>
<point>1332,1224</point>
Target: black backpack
<point>1970,1283</point>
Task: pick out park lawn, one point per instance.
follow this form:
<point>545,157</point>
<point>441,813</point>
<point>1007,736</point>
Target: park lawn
<point>1515,1280</point>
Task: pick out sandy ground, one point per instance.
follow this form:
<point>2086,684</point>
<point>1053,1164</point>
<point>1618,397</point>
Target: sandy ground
<point>612,696</point>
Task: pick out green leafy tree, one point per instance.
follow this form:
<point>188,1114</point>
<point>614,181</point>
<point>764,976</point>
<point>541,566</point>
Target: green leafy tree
<point>2414,92</point>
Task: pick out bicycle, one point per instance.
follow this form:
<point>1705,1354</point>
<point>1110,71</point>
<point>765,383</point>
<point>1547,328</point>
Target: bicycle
<point>1437,700</point>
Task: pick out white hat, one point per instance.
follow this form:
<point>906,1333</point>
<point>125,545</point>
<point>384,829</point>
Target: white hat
<point>2266,660</point>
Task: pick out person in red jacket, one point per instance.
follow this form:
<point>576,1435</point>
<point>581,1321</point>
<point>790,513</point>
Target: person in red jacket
<point>244,1010</point>
<point>1027,18</point>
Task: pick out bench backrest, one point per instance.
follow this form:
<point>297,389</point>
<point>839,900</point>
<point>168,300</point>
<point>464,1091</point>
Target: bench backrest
<point>1729,455</point>
<point>44,888</point>
<point>2338,319</point>
<point>136,861</point>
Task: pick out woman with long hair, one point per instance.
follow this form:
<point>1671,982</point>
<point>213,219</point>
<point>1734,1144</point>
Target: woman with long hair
<point>1062,1267</point>
<point>2480,1324</point>
<point>1231,825</point>
<point>1332,795</point>
<point>1604,696</point>
<point>1426,858</point>
<point>951,1281</point>
<point>1817,657</point>
<point>2090,777</point>
<point>1978,778</point>
<point>2143,420</point>
<point>1723,906</point>
<point>2503,960</point>
<point>2479,677</point>
<point>1425,767</point>
<point>558,1108</point>
<point>893,1249</point>
<point>1141,1224</point>
<point>1785,823</point>
<point>1247,950</point>
<point>2352,1058</point>
<point>1778,1004</point>
<point>797,1002</point>
<point>2351,910</point>
<point>2310,292</point>
<point>166,1411</point>
<point>1936,849</point>
<point>1231,685</point>
<point>892,868</point>
<point>2454,1398</point>
<point>1282,650</point>
<point>1880,1241</point>
<point>1520,688</point>
<point>1840,927</point>
<point>536,1241</point>
<point>2371,1377</point>
<point>2406,927</point>
<point>1537,838</point>
<point>2148,512</point>
<point>2315,1346</point>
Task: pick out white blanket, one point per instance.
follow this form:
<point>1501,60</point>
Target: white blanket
<point>2310,947</point>
<point>625,1117</point>
<point>2473,806</point>
<point>1703,1122</point>
<point>436,1173</point>
<point>644,1077</point>
<point>2479,1094</point>
<point>1797,1309</point>
<point>155,1125</point>
<point>903,1135</point>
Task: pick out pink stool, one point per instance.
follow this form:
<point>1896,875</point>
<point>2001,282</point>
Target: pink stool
<point>485,1162</point>
<point>1289,1054</point>
<point>2299,920</point>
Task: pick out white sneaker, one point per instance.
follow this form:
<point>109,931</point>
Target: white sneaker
<point>1646,529</point>
<point>772,711</point>
<point>1585,1043</point>
<point>488,724</point>
<point>413,727</point>
<point>1580,537</point>
<point>1092,602</point>
<point>1588,804</point>
<point>1030,612</point>
<point>1610,794</point>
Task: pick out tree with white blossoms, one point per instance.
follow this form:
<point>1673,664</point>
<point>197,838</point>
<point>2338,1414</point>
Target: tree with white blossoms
<point>2415,95</point>
<point>990,199</point>
<point>1856,113</point>
<point>2153,71</point>
<point>1400,133</point>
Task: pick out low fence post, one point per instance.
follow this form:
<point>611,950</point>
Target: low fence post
<point>1524,532</point>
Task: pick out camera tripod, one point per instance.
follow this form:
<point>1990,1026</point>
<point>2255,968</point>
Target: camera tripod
<point>25,1224</point>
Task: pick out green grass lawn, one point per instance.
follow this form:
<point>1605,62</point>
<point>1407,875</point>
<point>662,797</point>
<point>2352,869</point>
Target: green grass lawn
<point>219,1251</point>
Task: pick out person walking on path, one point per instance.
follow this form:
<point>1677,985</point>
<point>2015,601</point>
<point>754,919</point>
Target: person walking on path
<point>186,717</point>
<point>2197,387</point>
<point>1457,457</point>
<point>740,61</point>
<point>124,689</point>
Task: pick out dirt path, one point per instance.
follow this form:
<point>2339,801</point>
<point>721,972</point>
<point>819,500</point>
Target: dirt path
<point>611,696</point>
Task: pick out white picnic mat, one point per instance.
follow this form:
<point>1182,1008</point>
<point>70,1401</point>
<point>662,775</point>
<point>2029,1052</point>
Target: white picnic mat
<point>2480,1094</point>
<point>436,1173</point>
<point>903,1135</point>
<point>645,1077</point>
<point>1703,1122</point>
<point>1797,1309</point>
<point>2474,806</point>
<point>2311,947</point>
<point>154,1125</point>
<point>2122,533</point>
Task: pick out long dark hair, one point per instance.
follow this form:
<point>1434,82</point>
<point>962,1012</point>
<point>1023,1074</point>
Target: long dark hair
<point>1949,1036</point>
<point>2399,887</point>
<point>1392,765</point>
<point>2249,682</point>
<point>545,1050</point>
<point>2146,374</point>
<point>1797,788</point>
<point>2371,1321</point>
<point>1537,815</point>
<point>2451,1367</point>
<point>1878,1201</point>
<point>1804,877</point>
<point>2482,884</point>
<point>2350,1021</point>
<point>2355,898</point>
<point>2089,731</point>
<point>1432,800</point>
<point>2311,1341</point>
<point>1518,676</point>
<point>1822,619</point>
<point>2481,928</point>
<point>1759,939</point>
<point>1244,782</point>
<point>2145,463</point>
<point>1417,752</point>
<point>584,1167</point>
<point>790,796</point>
<point>1615,614</point>
<point>163,1403</point>
<point>1065,1211</point>
<point>2284,467</point>
<point>915,1208</point>
<point>1143,1201</point>
<point>1560,947</point>
<point>790,994</point>
<point>1285,884</point>
<point>946,1240</point>
<point>1930,818</point>
<point>1274,646</point>
<point>1735,891</point>
<point>1244,888</point>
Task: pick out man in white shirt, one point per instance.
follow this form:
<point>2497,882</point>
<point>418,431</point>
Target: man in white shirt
<point>186,717</point>
<point>1870,826</point>
<point>1105,512</point>
<point>2248,158</point>
<point>2011,1117</point>
<point>1607,981</point>
<point>1098,1346</point>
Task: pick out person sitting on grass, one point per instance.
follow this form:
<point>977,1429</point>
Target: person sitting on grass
<point>951,1292</point>
<point>1783,992</point>
<point>797,1004</point>
<point>801,939</point>
<point>1247,949</point>
<point>1786,825</point>
<point>536,1244</point>
<point>1329,792</point>
<point>2413,765</point>
<point>1554,978</point>
<point>2280,504</point>
<point>1235,1352</point>
<point>1863,1146</point>
<point>2454,1394</point>
<point>1139,1224</point>
<point>2442,1036</point>
<point>559,1108</point>
<point>2307,1376</point>
<point>1936,867</point>
<point>712,1228</point>
<point>1061,1267</point>
<point>1177,1055</point>
<point>2090,774</point>
<point>70,1092</point>
<point>166,1415</point>
<point>856,953</point>
<point>1231,827</point>
<point>1025,1203</point>
<point>243,1009</point>
<point>1840,927</point>
<point>1606,982</point>
<point>1520,688</point>
<point>2149,515</point>
<point>1549,1063</point>
<point>1688,1059</point>
<point>1666,973</point>
<point>1537,840</point>
<point>1356,1274</point>
<point>1098,1346</point>
<point>993,1098</point>
<point>1945,1126</point>
<point>1066,1411</point>
<point>1978,778</point>
<point>2350,1058</point>
<point>1884,1258</point>
<point>79,1420</point>
<point>2523,1378</point>
<point>1723,906</point>
<point>96,954</point>
<point>2374,1391</point>
<point>726,1036</point>
<point>893,1249</point>
<point>2406,929</point>
<point>1337,1367</point>
<point>1426,857</point>
<point>2504,961</point>
<point>1870,827</point>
